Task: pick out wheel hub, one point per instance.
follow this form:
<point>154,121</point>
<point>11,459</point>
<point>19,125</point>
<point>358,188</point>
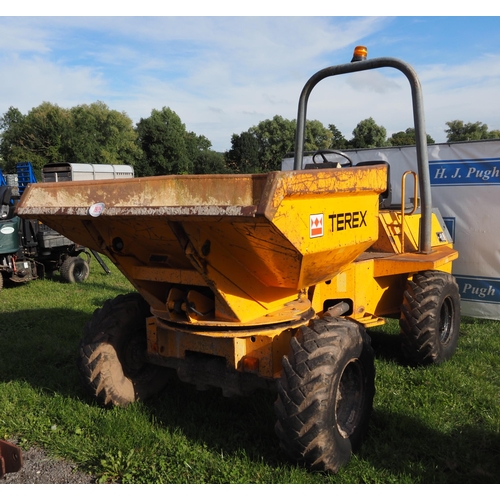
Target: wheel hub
<point>445,321</point>
<point>349,399</point>
<point>134,357</point>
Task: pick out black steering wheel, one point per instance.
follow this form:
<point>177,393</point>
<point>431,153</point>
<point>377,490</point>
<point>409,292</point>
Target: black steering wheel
<point>323,152</point>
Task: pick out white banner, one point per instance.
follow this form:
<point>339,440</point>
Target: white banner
<point>465,187</point>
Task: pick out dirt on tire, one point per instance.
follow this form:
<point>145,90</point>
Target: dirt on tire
<point>110,354</point>
<point>430,318</point>
<point>325,394</point>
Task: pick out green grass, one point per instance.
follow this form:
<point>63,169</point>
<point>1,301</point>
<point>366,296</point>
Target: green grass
<point>429,425</point>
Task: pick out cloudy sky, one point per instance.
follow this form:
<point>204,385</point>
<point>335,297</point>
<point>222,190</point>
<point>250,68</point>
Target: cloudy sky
<point>222,75</point>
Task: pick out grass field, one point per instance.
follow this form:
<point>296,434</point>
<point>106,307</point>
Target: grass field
<point>429,425</point>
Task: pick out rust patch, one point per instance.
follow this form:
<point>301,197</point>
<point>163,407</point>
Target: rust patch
<point>11,458</point>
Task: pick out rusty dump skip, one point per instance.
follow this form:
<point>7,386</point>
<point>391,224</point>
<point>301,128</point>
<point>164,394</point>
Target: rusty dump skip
<point>249,239</point>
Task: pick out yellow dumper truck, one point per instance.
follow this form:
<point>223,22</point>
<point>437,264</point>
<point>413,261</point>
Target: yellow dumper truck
<point>265,281</point>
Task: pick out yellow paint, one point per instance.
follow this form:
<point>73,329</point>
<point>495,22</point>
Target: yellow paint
<point>268,345</point>
<point>237,263</point>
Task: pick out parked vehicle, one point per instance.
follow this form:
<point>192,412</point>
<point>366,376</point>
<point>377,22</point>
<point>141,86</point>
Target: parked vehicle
<point>30,249</point>
<point>266,281</point>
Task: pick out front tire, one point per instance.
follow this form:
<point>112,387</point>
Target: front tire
<point>430,318</point>
<point>75,270</point>
<point>111,361</point>
<point>325,394</point>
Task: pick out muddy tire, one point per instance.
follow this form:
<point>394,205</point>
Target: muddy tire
<point>75,270</point>
<point>430,318</point>
<point>111,355</point>
<point>325,393</point>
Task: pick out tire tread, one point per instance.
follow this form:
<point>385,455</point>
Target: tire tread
<point>99,364</point>
<point>421,302</point>
<point>304,392</point>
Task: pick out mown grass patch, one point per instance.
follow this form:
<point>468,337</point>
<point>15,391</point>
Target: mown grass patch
<point>429,425</point>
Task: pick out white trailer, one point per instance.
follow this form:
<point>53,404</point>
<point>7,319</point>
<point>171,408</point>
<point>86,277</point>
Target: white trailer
<point>60,172</point>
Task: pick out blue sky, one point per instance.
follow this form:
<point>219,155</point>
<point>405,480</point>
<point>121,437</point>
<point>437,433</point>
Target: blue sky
<point>222,75</point>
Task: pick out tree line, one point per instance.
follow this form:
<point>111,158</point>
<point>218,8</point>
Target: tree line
<point>160,144</point>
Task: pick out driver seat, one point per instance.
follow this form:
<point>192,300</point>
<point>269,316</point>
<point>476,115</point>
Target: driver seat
<point>386,196</point>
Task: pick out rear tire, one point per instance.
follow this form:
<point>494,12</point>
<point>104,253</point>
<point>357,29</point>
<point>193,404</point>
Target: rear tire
<point>430,318</point>
<point>325,394</point>
<point>112,361</point>
<point>75,270</point>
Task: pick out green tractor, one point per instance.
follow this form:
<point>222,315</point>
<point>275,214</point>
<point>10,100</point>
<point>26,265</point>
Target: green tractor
<point>28,248</point>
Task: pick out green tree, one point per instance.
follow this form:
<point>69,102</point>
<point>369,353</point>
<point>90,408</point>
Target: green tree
<point>101,135</point>
<point>263,146</point>
<point>368,134</point>
<point>243,157</point>
<point>275,137</point>
<point>10,118</point>
<point>162,138</point>
<point>203,160</point>
<point>85,134</point>
<point>338,140</point>
<point>38,137</point>
<point>168,148</point>
<point>406,138</point>
<point>10,127</point>
<point>209,162</point>
<point>317,136</point>
<point>459,131</point>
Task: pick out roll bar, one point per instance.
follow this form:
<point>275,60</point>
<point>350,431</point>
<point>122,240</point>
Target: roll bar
<point>419,123</point>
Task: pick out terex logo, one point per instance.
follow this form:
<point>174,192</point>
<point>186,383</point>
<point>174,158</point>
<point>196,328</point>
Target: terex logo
<point>347,220</point>
<point>315,225</point>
